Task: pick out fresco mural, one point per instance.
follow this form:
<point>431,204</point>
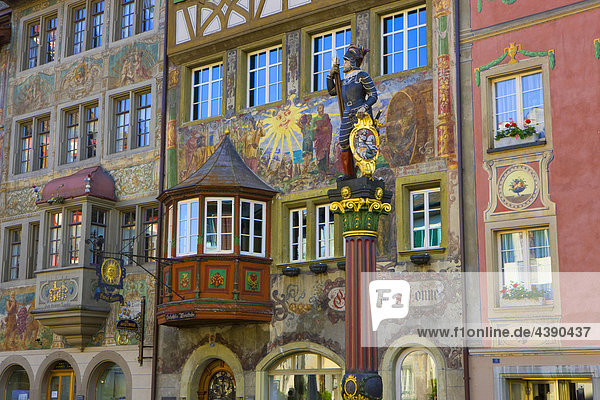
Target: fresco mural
<point>34,93</point>
<point>81,78</point>
<point>134,63</point>
<point>295,147</point>
<point>18,329</point>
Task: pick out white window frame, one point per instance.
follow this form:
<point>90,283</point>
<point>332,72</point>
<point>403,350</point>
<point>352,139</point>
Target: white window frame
<point>35,149</point>
<point>518,77</point>
<point>333,50</point>
<point>302,244</point>
<point>189,220</point>
<point>328,239</point>
<point>42,41</point>
<point>526,257</point>
<point>138,19</point>
<point>198,101</point>
<point>267,81</point>
<point>405,41</point>
<point>426,225</point>
<point>253,235</point>
<point>82,132</point>
<point>219,233</point>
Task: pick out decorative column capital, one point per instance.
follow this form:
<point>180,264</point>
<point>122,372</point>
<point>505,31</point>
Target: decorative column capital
<point>360,202</point>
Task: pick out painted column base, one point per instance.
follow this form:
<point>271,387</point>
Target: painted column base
<point>362,386</point>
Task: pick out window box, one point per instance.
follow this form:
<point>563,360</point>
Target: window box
<point>540,301</point>
<point>516,141</point>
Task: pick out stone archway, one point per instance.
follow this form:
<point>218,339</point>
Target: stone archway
<point>217,382</point>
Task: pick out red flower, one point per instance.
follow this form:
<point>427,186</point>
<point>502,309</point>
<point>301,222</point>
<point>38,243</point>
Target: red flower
<point>513,123</point>
<point>507,125</point>
<point>503,290</point>
<point>515,285</point>
<point>527,121</point>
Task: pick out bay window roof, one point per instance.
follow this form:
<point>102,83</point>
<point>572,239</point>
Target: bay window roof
<point>226,171</point>
<point>100,185</point>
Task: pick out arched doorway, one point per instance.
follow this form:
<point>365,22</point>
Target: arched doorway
<point>61,382</point>
<point>217,382</point>
<point>17,384</point>
<point>110,384</point>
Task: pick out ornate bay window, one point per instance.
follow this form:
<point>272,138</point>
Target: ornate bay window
<point>217,227</point>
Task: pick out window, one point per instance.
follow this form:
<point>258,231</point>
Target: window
<point>128,235</point>
<point>298,235</point>
<point>111,383</point>
<point>134,16</point>
<point>218,230</point>
<point>139,124</point>
<point>61,382</point>
<point>311,375</point>
<point>41,41</point>
<point>87,26</point>
<point>85,116</point>
<point>150,233</point>
<point>252,228</point>
<point>404,40</point>
<point>34,143</point>
<point>187,227</point>
<point>425,218</point>
<point>325,232</point>
<point>417,376</point>
<point>519,98</point>
<point>207,91</point>
<point>15,253</point>
<point>265,76</point>
<point>325,47</point>
<point>74,236</point>
<point>34,245</point>
<point>97,230</point>
<point>55,236</point>
<point>525,261</point>
<point>17,384</point>
<point>548,387</point>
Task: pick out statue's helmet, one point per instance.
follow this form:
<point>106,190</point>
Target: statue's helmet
<point>355,54</point>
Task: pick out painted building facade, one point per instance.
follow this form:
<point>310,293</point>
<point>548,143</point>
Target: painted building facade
<point>80,115</point>
<point>529,213</point>
<point>247,79</point>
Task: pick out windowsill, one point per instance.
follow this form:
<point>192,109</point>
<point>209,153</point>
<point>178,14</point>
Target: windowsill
<point>200,121</point>
<point>38,68</point>
<point>62,269</point>
<point>79,164</point>
<point>517,146</point>
<point>434,250</point>
<point>262,106</point>
<point>30,174</point>
<point>402,73</point>
<point>84,53</point>
<point>128,152</point>
<point>307,263</point>
<point>120,41</point>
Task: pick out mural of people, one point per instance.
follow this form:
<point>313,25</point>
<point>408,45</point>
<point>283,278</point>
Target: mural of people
<point>321,126</point>
<point>358,95</point>
<point>251,142</point>
<point>307,139</point>
<point>12,308</point>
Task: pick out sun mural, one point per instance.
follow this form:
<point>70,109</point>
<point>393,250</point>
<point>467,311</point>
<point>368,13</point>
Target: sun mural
<point>283,131</point>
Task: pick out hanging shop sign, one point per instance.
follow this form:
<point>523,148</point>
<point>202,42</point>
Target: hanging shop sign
<point>110,280</point>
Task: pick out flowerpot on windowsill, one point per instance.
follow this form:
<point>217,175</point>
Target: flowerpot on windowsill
<point>515,141</point>
<point>538,301</point>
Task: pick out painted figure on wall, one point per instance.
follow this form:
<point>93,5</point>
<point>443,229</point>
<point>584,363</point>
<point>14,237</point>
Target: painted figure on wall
<point>11,321</point>
<point>321,125</point>
<point>358,94</point>
<point>251,142</point>
<point>307,140</point>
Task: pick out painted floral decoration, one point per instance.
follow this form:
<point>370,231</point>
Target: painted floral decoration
<point>184,282</point>
<point>518,185</point>
<point>518,291</point>
<point>513,130</point>
<point>252,280</point>
<point>217,280</point>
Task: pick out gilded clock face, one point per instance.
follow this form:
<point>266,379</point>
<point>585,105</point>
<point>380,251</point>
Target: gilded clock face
<point>365,144</point>
<point>111,271</point>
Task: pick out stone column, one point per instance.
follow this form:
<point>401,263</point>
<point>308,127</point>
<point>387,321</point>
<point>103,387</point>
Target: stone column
<point>360,202</point>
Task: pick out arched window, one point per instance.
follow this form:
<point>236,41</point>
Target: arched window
<point>305,376</point>
<point>111,383</point>
<point>17,385</point>
<point>416,377</point>
<point>61,382</point>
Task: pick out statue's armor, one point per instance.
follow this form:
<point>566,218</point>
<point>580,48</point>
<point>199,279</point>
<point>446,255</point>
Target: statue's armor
<point>358,90</point>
